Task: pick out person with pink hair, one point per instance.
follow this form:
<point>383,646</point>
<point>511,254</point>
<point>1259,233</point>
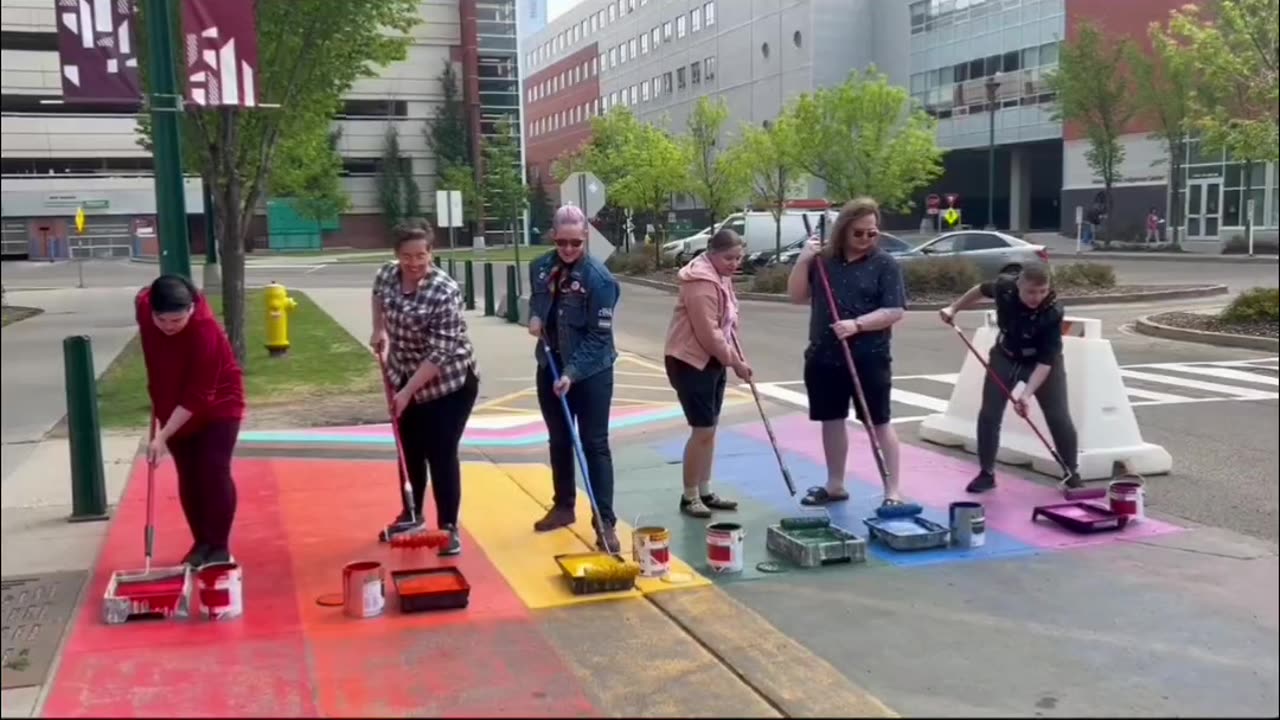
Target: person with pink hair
<point>571,305</point>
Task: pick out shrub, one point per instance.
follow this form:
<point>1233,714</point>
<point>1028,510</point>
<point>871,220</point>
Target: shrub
<point>1239,245</point>
<point>1258,304</point>
<point>1084,275</point>
<point>771,279</point>
<point>639,261</point>
<point>939,277</point>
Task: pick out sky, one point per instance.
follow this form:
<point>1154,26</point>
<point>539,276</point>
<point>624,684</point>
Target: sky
<point>556,7</point>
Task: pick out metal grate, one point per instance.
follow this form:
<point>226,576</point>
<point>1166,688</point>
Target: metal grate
<point>36,611</point>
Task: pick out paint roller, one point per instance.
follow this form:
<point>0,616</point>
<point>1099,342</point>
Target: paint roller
<point>413,526</point>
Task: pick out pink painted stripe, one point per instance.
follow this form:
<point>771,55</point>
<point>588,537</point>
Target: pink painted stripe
<point>533,428</point>
<point>936,480</point>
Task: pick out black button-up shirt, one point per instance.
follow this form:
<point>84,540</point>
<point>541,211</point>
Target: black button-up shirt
<point>870,283</point>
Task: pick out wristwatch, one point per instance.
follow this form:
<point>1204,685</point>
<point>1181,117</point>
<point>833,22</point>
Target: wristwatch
<point>857,324</point>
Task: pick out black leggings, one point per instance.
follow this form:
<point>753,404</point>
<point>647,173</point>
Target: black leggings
<point>205,486</point>
<point>430,434</point>
<point>1052,397</point>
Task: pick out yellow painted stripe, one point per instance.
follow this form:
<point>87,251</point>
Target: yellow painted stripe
<point>535,480</point>
<point>499,515</point>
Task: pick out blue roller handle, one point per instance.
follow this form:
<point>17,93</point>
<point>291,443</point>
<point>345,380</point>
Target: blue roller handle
<point>577,441</point>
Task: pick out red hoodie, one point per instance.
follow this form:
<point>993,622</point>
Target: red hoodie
<point>194,368</point>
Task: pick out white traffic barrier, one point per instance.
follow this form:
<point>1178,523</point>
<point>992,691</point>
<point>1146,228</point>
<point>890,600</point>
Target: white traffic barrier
<point>1105,424</point>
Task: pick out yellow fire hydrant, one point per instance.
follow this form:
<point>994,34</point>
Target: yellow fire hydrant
<point>279,306</point>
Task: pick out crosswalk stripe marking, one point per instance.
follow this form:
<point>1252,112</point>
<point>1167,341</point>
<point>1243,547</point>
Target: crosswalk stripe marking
<point>1157,397</point>
<point>1224,374</point>
<point>1197,385</point>
<point>928,402</point>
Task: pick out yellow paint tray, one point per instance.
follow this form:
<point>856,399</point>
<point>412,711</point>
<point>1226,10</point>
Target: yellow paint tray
<point>575,567</point>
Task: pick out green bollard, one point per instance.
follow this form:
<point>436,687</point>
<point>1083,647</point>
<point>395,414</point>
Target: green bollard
<point>490,308</point>
<point>469,295</point>
<point>513,299</point>
<point>439,263</point>
<point>453,269</point>
<point>88,480</point>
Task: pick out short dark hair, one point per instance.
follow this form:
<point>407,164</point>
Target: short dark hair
<point>412,230</point>
<point>725,239</point>
<point>1035,274</point>
<point>172,293</point>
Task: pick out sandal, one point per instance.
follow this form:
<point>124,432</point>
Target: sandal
<point>819,495</point>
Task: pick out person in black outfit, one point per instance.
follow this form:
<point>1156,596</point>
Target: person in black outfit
<point>1027,355</point>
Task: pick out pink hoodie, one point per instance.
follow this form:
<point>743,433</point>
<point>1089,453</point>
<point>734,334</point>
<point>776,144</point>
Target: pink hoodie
<point>705,319</point>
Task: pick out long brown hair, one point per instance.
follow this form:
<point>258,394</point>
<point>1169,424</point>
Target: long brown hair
<point>852,210</point>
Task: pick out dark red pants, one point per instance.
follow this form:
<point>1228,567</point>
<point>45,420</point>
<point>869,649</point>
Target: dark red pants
<point>205,487</point>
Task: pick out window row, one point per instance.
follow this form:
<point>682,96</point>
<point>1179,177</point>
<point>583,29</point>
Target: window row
<point>696,20</point>
<point>930,15</point>
<point>570,77</point>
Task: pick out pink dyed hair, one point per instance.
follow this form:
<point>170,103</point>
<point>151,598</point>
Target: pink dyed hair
<point>569,215</point>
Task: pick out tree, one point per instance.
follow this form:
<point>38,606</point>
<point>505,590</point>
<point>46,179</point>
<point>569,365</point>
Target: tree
<point>310,53</point>
<point>649,166</point>
<point>1163,94</point>
<point>541,211</point>
<point>716,183</point>
<point>864,138</point>
<point>448,136</point>
<point>504,190</point>
<point>765,158</point>
<point>390,169</point>
<point>309,169</point>
<point>1230,50</point>
<point>1094,91</point>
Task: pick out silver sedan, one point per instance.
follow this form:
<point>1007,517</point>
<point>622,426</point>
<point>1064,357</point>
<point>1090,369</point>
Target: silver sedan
<point>992,253</point>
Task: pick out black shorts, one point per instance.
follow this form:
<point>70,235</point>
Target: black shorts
<point>831,391</point>
<point>701,392</point>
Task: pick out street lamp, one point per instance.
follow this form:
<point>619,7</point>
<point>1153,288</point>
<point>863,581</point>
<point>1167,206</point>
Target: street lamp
<point>992,85</point>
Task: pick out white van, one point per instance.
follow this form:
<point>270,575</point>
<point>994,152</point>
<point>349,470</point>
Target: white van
<point>757,229</point>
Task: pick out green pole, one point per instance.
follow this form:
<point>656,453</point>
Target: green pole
<point>439,263</point>
<point>166,114</point>
<point>88,482</point>
<point>489,307</point>
<point>453,269</point>
<point>513,297</point>
<point>470,293</point>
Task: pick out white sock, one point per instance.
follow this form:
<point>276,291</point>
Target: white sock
<point>691,494</point>
<point>704,489</point>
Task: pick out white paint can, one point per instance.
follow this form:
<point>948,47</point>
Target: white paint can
<point>363,589</point>
<point>220,589</point>
<point>1127,498</point>
<point>651,549</point>
<point>725,547</point>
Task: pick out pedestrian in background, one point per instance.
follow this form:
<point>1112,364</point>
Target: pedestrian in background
<point>197,397</point>
<point>701,343</point>
<point>571,304</point>
<point>419,328</point>
<point>1153,225</point>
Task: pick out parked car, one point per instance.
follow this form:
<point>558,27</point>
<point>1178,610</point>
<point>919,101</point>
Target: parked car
<point>891,244</point>
<point>757,228</point>
<point>992,253</point>
<point>687,248</point>
<point>757,260</point>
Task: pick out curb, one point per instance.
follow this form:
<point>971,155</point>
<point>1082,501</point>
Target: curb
<point>1117,298</point>
<point>1098,255</point>
<point>1146,326</point>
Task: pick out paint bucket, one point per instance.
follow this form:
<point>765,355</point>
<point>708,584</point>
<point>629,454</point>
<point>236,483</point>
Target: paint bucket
<point>220,590</point>
<point>363,589</point>
<point>725,547</point>
<point>651,548</point>
<point>968,525</point>
<point>1126,498</point>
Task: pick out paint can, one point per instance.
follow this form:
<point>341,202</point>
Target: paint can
<point>968,525</point>
<point>651,549</point>
<point>363,589</point>
<point>725,547</point>
<point>1126,498</point>
<point>220,589</point>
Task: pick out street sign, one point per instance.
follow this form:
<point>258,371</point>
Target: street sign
<point>953,199</point>
<point>951,216</point>
<point>1079,215</point>
<point>598,245</point>
<point>80,220</point>
<point>449,208</point>
<point>932,204</point>
<point>585,190</point>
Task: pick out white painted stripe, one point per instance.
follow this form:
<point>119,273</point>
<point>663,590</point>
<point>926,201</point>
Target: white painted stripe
<point>1223,373</point>
<point>501,422</point>
<point>1228,390</point>
<point>928,402</point>
<point>791,397</point>
<point>800,400</point>
<point>1197,401</point>
<point>1156,397</point>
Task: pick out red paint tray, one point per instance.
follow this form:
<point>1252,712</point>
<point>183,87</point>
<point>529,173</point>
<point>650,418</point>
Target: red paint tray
<point>167,595</point>
<point>1081,517</point>
<point>422,589</point>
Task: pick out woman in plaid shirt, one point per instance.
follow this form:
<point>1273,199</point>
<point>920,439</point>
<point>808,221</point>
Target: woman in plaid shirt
<point>419,328</point>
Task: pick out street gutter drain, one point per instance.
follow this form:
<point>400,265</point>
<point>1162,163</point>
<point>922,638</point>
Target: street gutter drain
<point>37,610</point>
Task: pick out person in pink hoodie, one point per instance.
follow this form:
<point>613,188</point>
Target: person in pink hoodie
<point>701,344</point>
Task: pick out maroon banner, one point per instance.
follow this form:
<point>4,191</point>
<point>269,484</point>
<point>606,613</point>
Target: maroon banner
<point>96,51</point>
<point>222,52</point>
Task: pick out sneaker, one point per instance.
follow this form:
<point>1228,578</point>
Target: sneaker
<point>694,508</point>
<point>715,502</point>
<point>1073,481</point>
<point>195,556</point>
<point>983,482</point>
<point>454,545</point>
<point>608,542</point>
<point>555,519</point>
<point>403,522</point>
<point>217,555</point>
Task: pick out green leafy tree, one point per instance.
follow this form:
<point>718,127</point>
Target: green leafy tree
<point>649,166</point>
<point>504,190</point>
<point>390,187</point>
<point>541,211</point>
<point>1094,91</point>
<point>310,52</point>
<point>309,170</point>
<point>716,183</point>
<point>448,136</point>
<point>863,137</point>
<point>764,156</point>
<point>463,179</point>
<point>1229,49</point>
<point>1163,93</point>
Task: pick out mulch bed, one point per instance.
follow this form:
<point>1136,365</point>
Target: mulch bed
<point>1210,323</point>
<point>15,313</point>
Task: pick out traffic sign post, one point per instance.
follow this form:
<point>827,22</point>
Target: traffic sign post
<point>80,223</point>
<point>1079,228</point>
<point>586,191</point>
<point>449,211</point>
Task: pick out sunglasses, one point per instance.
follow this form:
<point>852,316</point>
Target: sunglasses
<point>569,242</point>
<point>865,233</point>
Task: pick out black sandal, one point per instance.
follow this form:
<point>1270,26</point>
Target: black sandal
<point>818,495</point>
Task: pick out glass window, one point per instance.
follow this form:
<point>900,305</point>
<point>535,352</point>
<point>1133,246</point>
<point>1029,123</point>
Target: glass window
<point>1031,57</point>
<point>613,57</point>
<point>666,83</point>
<point>631,46</point>
<point>1275,207</point>
<point>709,14</point>
<point>644,44</point>
<point>655,37</point>
<point>695,73</point>
<point>680,27</point>
<point>1011,62</point>
<point>919,11</point>
<point>613,12</point>
<point>595,25</point>
<point>633,95</point>
<point>680,78</point>
<point>600,18</point>
<point>1232,211</point>
<point>982,241</point>
<point>666,31</point>
<point>944,245</point>
<point>644,91</point>
<point>991,65</point>
<point>695,19</point>
<point>631,5</point>
<point>1049,54</point>
<point>710,70</point>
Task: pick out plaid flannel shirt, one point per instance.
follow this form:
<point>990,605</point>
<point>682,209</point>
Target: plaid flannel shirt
<point>426,324</point>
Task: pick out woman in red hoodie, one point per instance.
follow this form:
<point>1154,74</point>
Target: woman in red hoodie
<point>701,343</point>
<point>197,396</point>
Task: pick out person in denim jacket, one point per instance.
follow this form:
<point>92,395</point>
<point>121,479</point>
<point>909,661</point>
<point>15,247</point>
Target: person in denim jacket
<point>571,304</point>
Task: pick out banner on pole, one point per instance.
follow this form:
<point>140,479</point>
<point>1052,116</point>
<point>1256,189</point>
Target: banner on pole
<point>222,52</point>
<point>96,52</point>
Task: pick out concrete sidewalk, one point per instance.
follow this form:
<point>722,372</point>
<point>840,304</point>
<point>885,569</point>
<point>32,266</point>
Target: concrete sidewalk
<point>1060,246</point>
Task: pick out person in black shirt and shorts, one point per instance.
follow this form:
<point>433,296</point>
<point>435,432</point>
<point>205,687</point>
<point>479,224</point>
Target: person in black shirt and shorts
<point>1028,357</point>
<point>868,288</point>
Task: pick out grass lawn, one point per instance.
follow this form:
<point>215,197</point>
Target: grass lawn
<point>324,364</point>
<point>496,255</point>
<point>14,313</point>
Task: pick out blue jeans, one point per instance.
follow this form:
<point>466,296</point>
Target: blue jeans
<point>589,402</point>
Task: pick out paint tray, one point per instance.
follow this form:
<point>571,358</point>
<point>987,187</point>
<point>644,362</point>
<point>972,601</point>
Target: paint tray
<point>423,589</point>
<point>907,533</point>
<point>809,547</point>
<point>167,595</point>
<point>1081,517</point>
<point>574,566</point>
